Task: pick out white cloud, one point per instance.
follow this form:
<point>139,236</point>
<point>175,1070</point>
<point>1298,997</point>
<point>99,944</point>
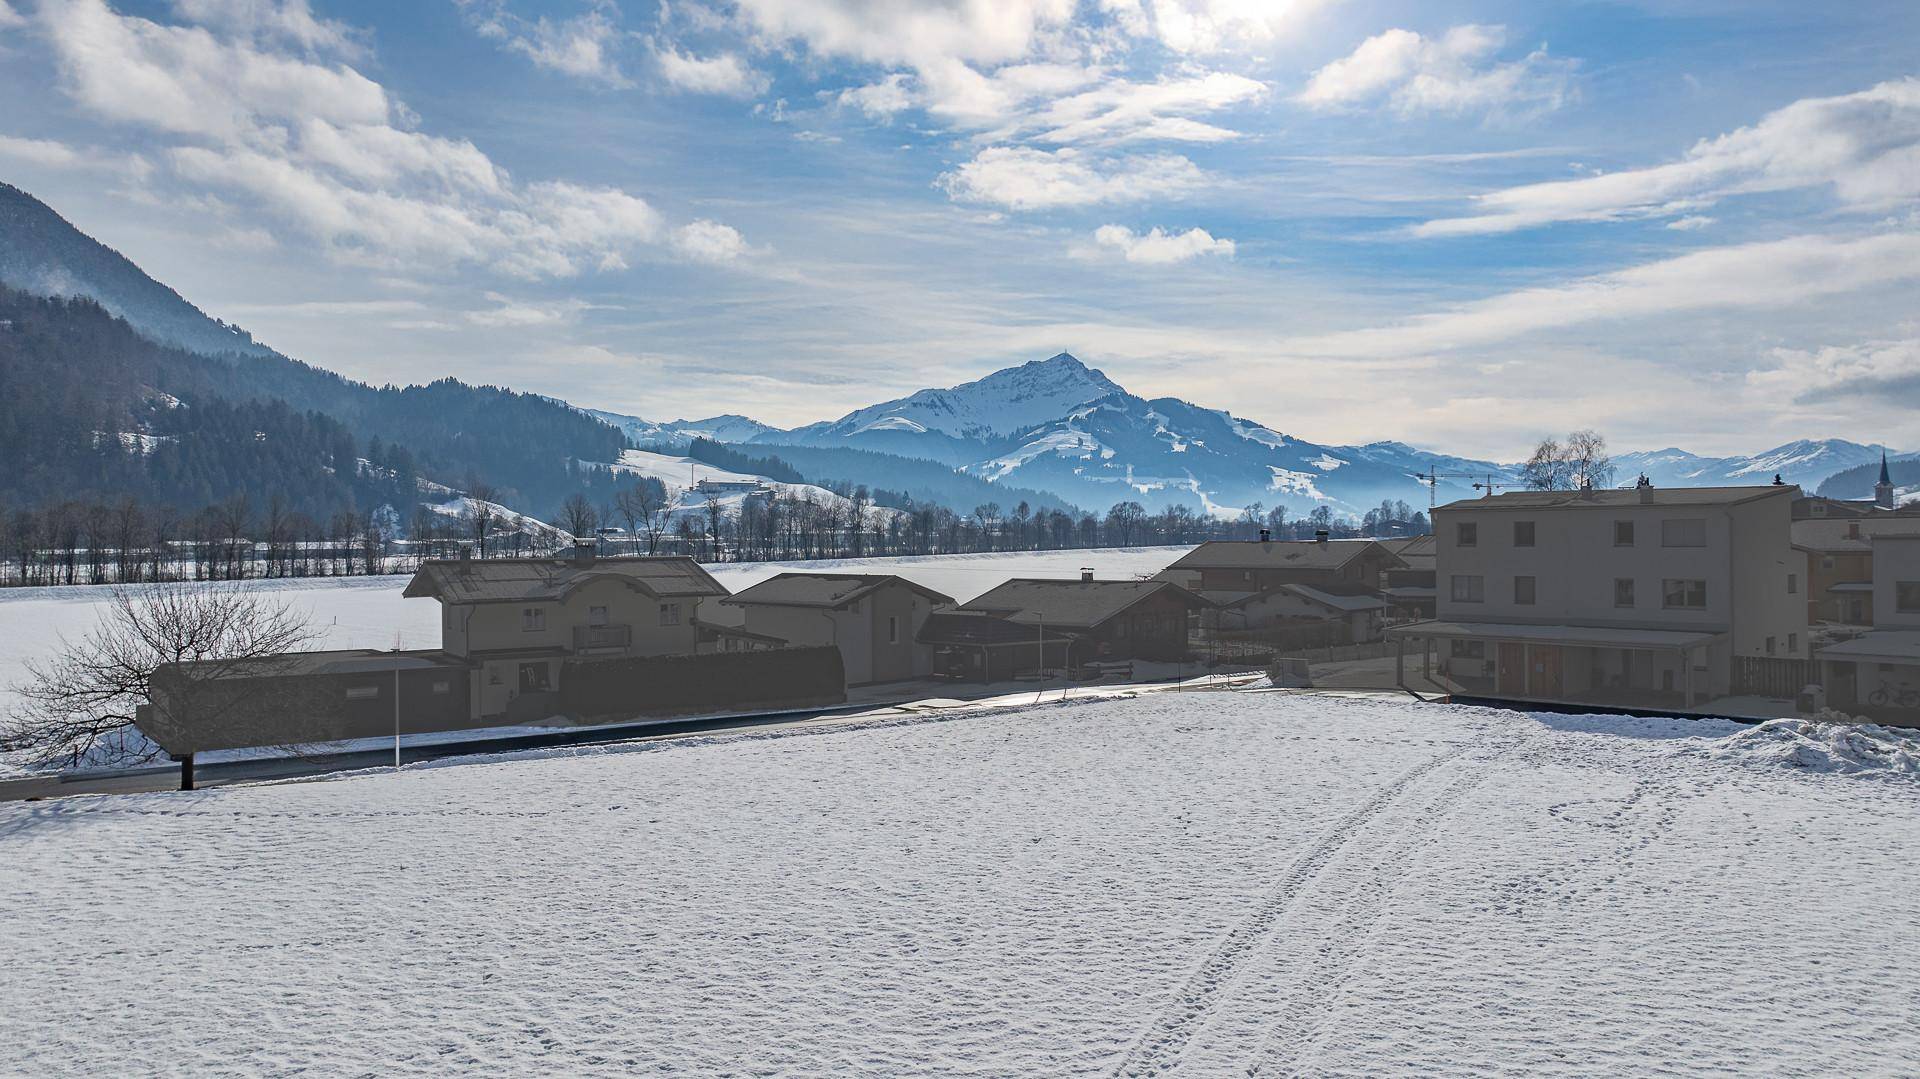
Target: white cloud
<point>509,312</point>
<point>326,152</point>
<point>1774,274</point>
<point>1159,247</point>
<point>1026,70</point>
<point>1204,26</point>
<point>290,21</point>
<point>53,154</point>
<point>1884,374</point>
<point>1691,223</point>
<point>880,100</point>
<point>584,46</point>
<point>1451,74</point>
<point>709,241</point>
<point>1865,146</point>
<point>724,73</point>
<point>9,18</point>
<point>1020,178</point>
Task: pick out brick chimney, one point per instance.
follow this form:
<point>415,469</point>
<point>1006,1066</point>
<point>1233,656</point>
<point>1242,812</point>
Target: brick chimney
<point>1086,575</point>
<point>1320,535</point>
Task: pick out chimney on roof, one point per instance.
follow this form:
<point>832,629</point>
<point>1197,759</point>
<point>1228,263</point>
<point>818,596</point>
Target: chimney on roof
<point>1266,535</point>
<point>1320,535</point>
<point>466,556</point>
<point>1086,574</point>
<point>1645,487</point>
<point>583,552</point>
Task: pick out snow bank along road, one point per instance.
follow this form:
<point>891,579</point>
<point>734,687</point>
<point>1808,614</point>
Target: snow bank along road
<point>1201,883</point>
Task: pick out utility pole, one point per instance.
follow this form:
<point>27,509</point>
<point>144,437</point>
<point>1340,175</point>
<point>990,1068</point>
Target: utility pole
<point>396,719</point>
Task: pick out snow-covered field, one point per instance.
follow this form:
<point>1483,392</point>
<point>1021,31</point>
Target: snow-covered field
<point>369,612</point>
<point>1209,883</point>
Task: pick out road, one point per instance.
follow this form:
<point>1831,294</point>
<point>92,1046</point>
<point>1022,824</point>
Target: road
<point>166,777</point>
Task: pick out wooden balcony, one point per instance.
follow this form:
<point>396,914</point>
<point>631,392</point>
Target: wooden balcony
<point>615,638</point>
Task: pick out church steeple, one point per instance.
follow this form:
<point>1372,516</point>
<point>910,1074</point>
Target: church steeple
<point>1883,491</point>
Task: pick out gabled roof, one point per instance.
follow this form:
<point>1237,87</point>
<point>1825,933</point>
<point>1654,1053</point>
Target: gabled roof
<point>519,580</point>
<point>1072,603</point>
<point>1334,601</point>
<point>1281,554</point>
<point>1413,546</point>
<point>828,591</point>
<point>1616,498</point>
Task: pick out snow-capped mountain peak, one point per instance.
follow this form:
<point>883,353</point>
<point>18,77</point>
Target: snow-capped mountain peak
<point>999,405</point>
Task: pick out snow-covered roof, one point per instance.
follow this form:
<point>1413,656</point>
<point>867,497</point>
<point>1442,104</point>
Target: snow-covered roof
<point>824,590</point>
<point>1615,498</point>
<point>1890,645</point>
<point>1072,603</point>
<point>1281,554</point>
<point>1849,535</point>
<point>510,580</point>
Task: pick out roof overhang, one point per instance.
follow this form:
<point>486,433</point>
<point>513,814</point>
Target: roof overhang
<point>1572,636</point>
<point>1881,645</point>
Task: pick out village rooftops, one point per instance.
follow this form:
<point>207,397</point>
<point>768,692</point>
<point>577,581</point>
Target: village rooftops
<point>1850,535</point>
<point>1080,604</point>
<point>827,591</point>
<point>1280,554</point>
<point>520,580</point>
<point>1622,498</point>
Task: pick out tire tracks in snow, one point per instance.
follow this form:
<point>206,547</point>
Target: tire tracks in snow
<point>1162,1044</point>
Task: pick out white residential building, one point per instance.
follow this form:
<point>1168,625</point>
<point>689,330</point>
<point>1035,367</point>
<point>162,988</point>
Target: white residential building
<point>1645,597</point>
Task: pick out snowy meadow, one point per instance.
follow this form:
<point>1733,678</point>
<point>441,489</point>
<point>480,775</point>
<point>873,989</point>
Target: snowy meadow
<point>1204,883</point>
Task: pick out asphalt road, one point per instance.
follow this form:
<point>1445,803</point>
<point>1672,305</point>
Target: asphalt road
<point>166,777</point>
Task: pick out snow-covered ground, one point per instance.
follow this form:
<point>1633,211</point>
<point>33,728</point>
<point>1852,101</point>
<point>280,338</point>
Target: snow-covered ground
<point>1208,883</point>
<point>369,612</point>
<point>680,475</point>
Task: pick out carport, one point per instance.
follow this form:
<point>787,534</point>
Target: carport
<point>1531,662</point>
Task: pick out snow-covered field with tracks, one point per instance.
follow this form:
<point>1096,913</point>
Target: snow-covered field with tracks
<point>1208,883</point>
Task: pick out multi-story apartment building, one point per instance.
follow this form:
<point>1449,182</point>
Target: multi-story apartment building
<point>1642,597</point>
<point>1840,564</point>
<point>1878,673</point>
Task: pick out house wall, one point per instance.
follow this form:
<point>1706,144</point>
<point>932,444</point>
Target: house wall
<point>1896,559</point>
<point>1828,568</point>
<point>1155,628</point>
<point>1767,618</point>
<point>861,634</point>
<point>1574,563</point>
<point>497,626</point>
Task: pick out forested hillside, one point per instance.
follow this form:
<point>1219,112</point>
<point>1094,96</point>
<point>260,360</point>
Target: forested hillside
<point>91,409</point>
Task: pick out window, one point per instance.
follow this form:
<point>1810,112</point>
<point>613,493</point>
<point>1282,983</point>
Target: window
<point>1683,532</point>
<point>1683,592</point>
<point>1523,591</point>
<point>669,614</point>
<point>1793,584</point>
<point>893,629</point>
<point>596,616</point>
<point>1793,643</point>
<point>362,693</point>
<point>1469,649</point>
<point>1623,591</point>
<point>1523,533</point>
<point>1466,534</point>
<point>1469,588</point>
<point>1623,533</point>
<point>1770,646</point>
<point>533,678</point>
<point>533,620</point>
<point>1826,563</point>
<point>1906,597</point>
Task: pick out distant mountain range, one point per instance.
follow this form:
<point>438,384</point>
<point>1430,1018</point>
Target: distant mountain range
<point>1806,462</point>
<point>1052,429</point>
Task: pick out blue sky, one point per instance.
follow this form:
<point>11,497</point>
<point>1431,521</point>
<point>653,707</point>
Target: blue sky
<point>1460,225</point>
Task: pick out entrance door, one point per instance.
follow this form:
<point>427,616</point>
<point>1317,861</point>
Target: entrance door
<point>1543,673</point>
<point>1512,681</point>
<point>1843,687</point>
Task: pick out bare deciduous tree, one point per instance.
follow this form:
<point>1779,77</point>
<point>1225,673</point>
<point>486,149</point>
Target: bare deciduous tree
<point>82,703</point>
<point>577,516</point>
<point>1581,461</point>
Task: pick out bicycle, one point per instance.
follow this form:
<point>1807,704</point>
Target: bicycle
<point>1903,696</point>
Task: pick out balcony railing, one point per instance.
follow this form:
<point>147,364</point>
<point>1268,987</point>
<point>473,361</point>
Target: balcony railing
<point>602,638</point>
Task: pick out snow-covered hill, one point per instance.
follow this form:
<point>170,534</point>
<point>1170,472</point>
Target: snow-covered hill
<point>681,476</point>
<point>677,433</point>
